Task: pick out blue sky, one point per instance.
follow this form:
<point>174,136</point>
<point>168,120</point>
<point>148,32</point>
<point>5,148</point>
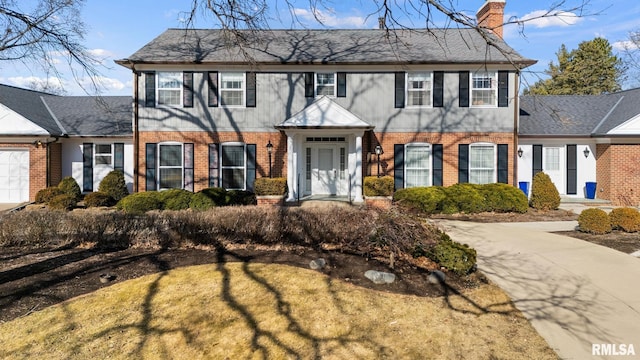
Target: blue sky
<point>117,28</point>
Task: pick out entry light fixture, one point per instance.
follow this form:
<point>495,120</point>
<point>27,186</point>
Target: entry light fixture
<point>520,152</point>
<point>586,152</point>
<point>379,151</point>
<point>269,150</point>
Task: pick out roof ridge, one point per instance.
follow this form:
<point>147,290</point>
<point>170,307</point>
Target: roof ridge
<point>29,90</point>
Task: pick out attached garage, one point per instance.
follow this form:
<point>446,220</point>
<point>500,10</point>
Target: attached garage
<point>14,176</point>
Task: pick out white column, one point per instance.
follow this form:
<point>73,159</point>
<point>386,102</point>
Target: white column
<point>357,188</point>
<point>291,169</point>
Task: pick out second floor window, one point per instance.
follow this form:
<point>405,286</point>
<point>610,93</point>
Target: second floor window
<point>419,87</point>
<point>325,84</point>
<point>232,86</point>
<point>484,89</point>
<point>169,89</point>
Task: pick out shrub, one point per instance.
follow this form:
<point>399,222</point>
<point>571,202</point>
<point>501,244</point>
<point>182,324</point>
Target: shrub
<point>425,199</point>
<point>465,198</point>
<point>378,186</point>
<point>504,198</point>
<point>141,202</point>
<point>63,202</point>
<point>241,197</point>
<point>44,196</point>
<point>69,186</point>
<point>456,257</point>
<point>544,194</point>
<point>595,221</point>
<point>175,199</point>
<point>208,198</point>
<point>625,219</point>
<point>98,198</point>
<point>270,186</point>
<point>114,185</point>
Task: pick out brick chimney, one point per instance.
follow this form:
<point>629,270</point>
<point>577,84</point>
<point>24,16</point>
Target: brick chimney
<point>491,16</point>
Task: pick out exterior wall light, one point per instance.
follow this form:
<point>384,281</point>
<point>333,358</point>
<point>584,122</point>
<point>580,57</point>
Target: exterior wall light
<point>586,152</point>
<point>269,151</point>
<point>520,152</point>
<point>379,151</point>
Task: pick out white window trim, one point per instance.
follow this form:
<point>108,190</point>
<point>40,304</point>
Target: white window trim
<point>494,83</point>
<point>335,84</point>
<point>429,161</point>
<point>244,167</point>
<point>407,90</point>
<point>243,90</point>
<point>180,88</point>
<point>495,160</point>
<point>170,167</point>
<point>95,154</point>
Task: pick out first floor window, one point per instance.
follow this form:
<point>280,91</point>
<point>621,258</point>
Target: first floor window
<point>552,158</point>
<point>482,163</point>
<point>103,155</point>
<point>170,166</point>
<point>419,89</point>
<point>484,89</point>
<point>325,84</point>
<point>233,166</point>
<point>232,89</point>
<point>417,165</point>
<point>169,88</point>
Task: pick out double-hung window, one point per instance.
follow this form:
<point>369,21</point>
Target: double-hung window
<point>169,89</point>
<point>325,84</point>
<point>170,166</point>
<point>417,165</point>
<point>484,88</point>
<point>419,89</point>
<point>233,160</point>
<point>103,155</point>
<point>232,87</point>
<point>482,163</point>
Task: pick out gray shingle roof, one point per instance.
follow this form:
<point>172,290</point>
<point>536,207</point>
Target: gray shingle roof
<point>93,116</point>
<point>28,103</point>
<point>625,109</point>
<point>327,47</point>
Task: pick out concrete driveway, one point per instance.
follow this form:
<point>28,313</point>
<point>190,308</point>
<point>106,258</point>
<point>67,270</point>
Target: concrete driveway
<point>582,298</point>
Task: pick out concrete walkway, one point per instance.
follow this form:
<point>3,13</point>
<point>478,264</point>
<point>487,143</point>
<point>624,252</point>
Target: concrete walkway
<point>575,293</point>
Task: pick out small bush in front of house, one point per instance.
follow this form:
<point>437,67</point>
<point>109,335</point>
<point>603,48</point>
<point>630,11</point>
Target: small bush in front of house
<point>141,202</point>
<point>378,186</point>
<point>544,194</point>
<point>504,198</point>
<point>594,221</point>
<point>98,199</point>
<point>425,199</point>
<point>175,199</point>
<point>626,219</point>
<point>208,198</point>
<point>270,186</point>
<point>456,257</point>
<point>69,186</point>
<point>63,202</point>
<point>114,185</point>
<point>44,196</point>
<point>463,198</point>
<point>240,197</point>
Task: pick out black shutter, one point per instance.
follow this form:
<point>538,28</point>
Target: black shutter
<point>187,89</point>
<point>87,167</point>
<point>149,89</point>
<point>438,88</point>
<point>214,166</point>
<point>309,85</point>
<point>463,163</point>
<point>572,170</point>
<point>463,89</point>
<point>118,157</point>
<point>212,81</point>
<point>398,166</point>
<point>251,166</point>
<point>436,159</point>
<point>503,163</point>
<point>188,167</point>
<point>537,159</point>
<point>342,84</point>
<point>503,88</point>
<point>150,167</point>
<point>251,89</point>
<point>399,90</point>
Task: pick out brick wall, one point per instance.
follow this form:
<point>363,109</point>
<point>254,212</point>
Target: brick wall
<point>618,173</point>
<point>55,164</point>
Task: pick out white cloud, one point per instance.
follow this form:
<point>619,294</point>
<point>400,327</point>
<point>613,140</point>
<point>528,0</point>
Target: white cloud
<point>103,82</point>
<point>625,45</point>
<point>544,18</point>
<point>101,53</point>
<point>37,83</point>
<point>328,18</point>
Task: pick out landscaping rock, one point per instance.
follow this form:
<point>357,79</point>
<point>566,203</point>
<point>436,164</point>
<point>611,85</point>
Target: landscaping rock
<point>436,277</point>
<point>317,264</point>
<point>379,277</point>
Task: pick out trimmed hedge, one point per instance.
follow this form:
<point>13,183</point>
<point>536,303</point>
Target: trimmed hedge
<point>44,196</point>
<point>544,194</point>
<point>504,198</point>
<point>69,186</point>
<point>425,199</point>
<point>141,202</point>
<point>175,199</point>
<point>626,219</point>
<point>270,186</point>
<point>114,185</point>
<point>378,186</point>
<point>594,221</point>
<point>240,197</point>
<point>463,198</point>
<point>97,199</point>
<point>63,202</point>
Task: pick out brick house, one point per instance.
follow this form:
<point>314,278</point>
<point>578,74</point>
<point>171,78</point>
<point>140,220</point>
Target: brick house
<point>441,104</point>
<point>577,139</point>
<point>45,137</point>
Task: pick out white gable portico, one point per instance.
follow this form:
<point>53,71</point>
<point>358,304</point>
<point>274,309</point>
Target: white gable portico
<point>324,151</point>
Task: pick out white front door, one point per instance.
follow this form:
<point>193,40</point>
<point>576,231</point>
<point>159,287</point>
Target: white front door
<point>328,170</point>
<point>553,160</point>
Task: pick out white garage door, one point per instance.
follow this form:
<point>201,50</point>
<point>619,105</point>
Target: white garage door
<point>14,176</point>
